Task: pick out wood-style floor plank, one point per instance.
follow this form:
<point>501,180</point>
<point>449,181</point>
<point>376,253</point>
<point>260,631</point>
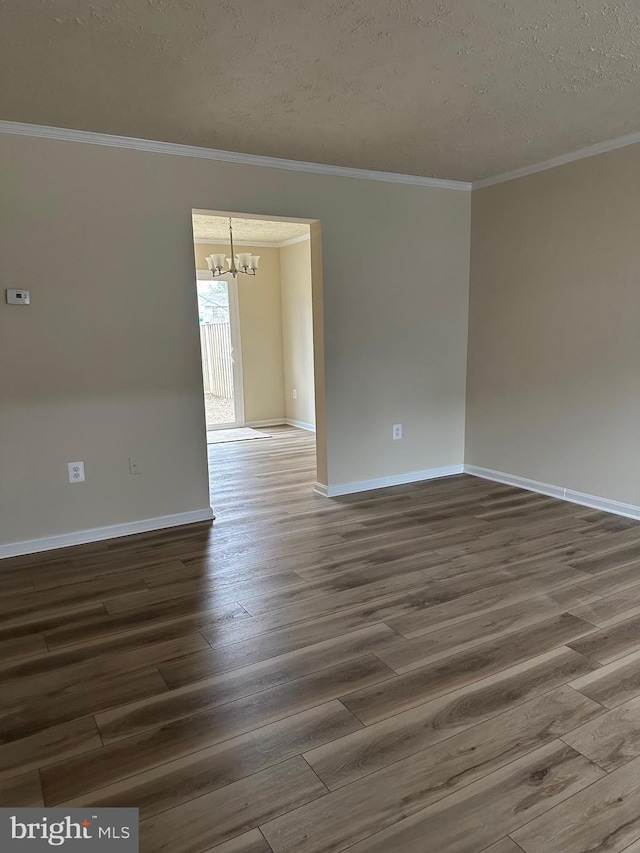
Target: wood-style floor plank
<point>214,590</point>
<point>240,806</point>
<point>136,717</point>
<point>612,739</point>
<point>613,684</point>
<point>281,657</point>
<point>378,745</point>
<point>249,842</point>
<point>505,845</point>
<point>611,643</point>
<point>434,666</point>
<point>611,609</point>
<point>63,705</point>
<point>198,773</point>
<point>65,670</point>
<point>605,816</point>
<point>420,685</point>
<point>492,597</point>
<point>71,596</point>
<point>168,741</point>
<point>403,657</point>
<point>615,580</point>
<point>381,799</point>
<point>606,560</point>
<point>485,811</point>
<point>76,737</point>
<point>279,641</point>
<point>105,624</point>
<point>22,647</point>
<point>22,791</point>
<point>32,623</point>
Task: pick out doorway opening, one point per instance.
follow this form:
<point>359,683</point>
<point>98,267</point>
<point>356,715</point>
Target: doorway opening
<point>262,342</point>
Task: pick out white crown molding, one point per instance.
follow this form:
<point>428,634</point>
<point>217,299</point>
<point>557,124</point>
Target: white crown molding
<point>383,482</point>
<point>98,534</point>
<point>582,498</point>
<point>569,157</point>
<point>303,238</point>
<point>262,245</point>
<point>65,134</point>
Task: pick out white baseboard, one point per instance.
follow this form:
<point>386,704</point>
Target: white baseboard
<point>272,422</point>
<point>301,425</point>
<point>282,422</point>
<point>582,498</point>
<point>97,534</point>
<point>383,482</point>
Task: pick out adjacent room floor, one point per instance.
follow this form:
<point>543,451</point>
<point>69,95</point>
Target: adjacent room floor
<point>446,667</point>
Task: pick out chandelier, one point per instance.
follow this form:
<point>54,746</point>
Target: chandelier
<point>243,262</point>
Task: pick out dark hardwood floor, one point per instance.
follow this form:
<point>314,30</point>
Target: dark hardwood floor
<point>446,667</point>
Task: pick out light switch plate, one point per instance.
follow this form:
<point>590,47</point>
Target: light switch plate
<point>18,297</point>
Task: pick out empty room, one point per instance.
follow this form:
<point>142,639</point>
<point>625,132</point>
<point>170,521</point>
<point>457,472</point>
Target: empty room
<point>320,426</point>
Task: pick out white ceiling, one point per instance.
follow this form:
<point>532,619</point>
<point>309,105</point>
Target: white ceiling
<point>457,89</point>
<point>215,229</point>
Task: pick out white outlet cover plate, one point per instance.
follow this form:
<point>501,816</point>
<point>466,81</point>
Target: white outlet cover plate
<point>76,472</point>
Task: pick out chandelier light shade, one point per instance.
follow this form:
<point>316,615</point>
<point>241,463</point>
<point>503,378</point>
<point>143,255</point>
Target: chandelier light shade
<point>243,262</point>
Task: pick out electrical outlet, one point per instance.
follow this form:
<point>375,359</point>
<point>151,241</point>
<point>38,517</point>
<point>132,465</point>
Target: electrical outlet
<point>295,394</point>
<point>76,472</point>
<point>397,432</point>
<point>134,467</point>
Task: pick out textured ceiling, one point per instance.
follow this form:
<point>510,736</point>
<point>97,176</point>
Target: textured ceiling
<point>216,229</point>
<point>458,89</point>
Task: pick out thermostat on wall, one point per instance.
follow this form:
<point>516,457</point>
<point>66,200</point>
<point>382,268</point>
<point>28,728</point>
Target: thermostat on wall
<point>19,297</point>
